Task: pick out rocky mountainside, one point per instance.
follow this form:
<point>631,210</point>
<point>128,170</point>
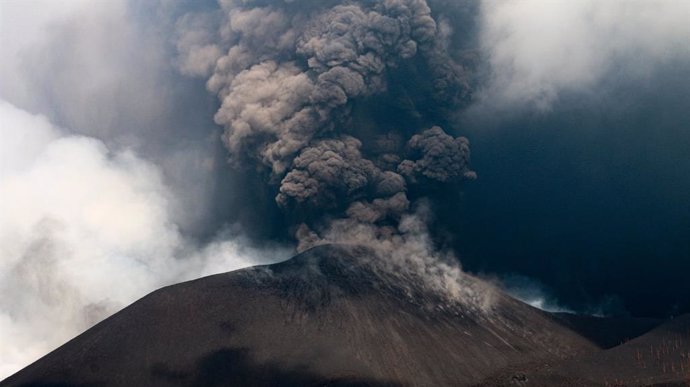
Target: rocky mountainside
<point>333,317</point>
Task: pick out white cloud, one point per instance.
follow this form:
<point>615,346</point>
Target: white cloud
<point>106,69</point>
<point>538,49</point>
<point>84,231</point>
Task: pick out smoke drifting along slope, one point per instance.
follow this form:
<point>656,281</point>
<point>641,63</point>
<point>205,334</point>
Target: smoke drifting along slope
<point>300,84</point>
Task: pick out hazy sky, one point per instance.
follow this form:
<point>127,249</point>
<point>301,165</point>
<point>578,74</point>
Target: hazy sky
<point>114,180</point>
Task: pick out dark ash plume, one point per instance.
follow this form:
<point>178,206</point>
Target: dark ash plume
<point>437,156</point>
<point>307,93</point>
<point>328,173</point>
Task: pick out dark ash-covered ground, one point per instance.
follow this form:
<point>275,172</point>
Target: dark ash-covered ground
<point>330,317</point>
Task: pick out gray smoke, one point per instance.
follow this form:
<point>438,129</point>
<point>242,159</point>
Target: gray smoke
<point>300,84</point>
<point>287,70</point>
<point>328,172</point>
<point>288,77</point>
<point>437,156</point>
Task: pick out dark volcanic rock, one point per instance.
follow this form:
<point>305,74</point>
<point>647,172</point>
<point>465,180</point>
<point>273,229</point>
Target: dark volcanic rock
<point>660,357</point>
<point>607,332</point>
<point>328,317</point>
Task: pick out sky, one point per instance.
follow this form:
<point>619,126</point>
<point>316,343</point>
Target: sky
<point>584,168</point>
<point>543,144</point>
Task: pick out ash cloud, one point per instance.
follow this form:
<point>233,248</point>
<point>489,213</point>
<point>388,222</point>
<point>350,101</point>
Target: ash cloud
<point>284,83</point>
<point>328,173</point>
<point>298,84</point>
<point>437,156</point>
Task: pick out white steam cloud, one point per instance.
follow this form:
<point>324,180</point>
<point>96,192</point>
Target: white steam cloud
<point>84,231</point>
<point>540,49</point>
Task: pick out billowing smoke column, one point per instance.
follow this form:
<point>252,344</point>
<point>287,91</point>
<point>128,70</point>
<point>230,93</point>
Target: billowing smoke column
<point>303,85</point>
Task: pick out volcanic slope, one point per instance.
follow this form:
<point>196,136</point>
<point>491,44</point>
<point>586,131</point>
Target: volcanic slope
<point>330,316</point>
<point>660,357</point>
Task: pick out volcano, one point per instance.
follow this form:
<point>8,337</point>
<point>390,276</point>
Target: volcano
<point>332,316</point>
